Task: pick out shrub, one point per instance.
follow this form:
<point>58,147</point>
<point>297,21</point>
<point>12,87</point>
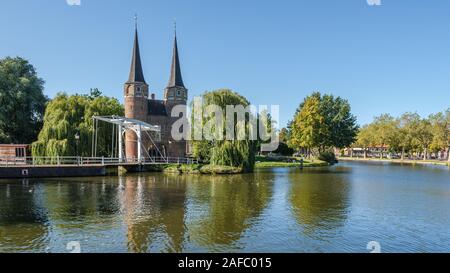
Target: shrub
<point>328,157</point>
<point>284,150</point>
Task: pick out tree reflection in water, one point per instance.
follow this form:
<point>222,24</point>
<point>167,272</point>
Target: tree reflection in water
<point>320,199</point>
<point>81,202</point>
<point>223,207</point>
<point>153,208</point>
<point>144,212</point>
<point>164,213</point>
<point>23,218</point>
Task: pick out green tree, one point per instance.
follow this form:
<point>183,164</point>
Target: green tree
<point>235,153</point>
<point>386,133</point>
<point>447,118</point>
<point>22,101</point>
<point>416,134</point>
<point>408,134</point>
<point>308,127</point>
<point>424,136</point>
<point>284,138</point>
<point>284,135</point>
<point>340,121</point>
<point>366,138</point>
<point>440,128</point>
<point>407,125</point>
<point>67,116</point>
<point>95,93</point>
<point>323,122</point>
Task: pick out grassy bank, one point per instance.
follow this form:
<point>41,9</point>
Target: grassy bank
<point>199,169</point>
<point>406,161</point>
<point>286,162</point>
<point>275,164</point>
<point>262,162</point>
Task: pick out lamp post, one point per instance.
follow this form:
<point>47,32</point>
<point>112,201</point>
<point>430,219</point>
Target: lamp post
<point>77,140</point>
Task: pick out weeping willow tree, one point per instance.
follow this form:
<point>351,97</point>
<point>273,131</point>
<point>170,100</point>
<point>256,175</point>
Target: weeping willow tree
<point>67,116</point>
<point>233,153</point>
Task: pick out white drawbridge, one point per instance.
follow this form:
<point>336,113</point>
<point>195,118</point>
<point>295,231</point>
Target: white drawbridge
<point>122,125</point>
<point>117,158</point>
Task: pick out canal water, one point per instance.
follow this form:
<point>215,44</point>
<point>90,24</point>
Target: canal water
<point>334,209</point>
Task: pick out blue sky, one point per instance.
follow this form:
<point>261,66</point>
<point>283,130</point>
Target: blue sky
<point>390,58</point>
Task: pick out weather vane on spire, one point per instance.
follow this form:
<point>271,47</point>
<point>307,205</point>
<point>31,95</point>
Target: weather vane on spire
<point>135,20</point>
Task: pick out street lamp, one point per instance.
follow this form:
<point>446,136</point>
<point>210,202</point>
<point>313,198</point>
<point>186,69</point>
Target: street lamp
<point>77,140</point>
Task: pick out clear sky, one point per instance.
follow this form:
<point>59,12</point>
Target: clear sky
<point>389,58</point>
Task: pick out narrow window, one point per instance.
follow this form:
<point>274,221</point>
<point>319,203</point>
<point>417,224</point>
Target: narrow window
<point>20,152</point>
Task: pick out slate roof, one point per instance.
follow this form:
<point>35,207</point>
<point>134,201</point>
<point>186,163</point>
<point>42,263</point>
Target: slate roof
<point>175,70</point>
<point>136,73</point>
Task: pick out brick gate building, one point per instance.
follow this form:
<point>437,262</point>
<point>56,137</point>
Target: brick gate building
<point>138,105</point>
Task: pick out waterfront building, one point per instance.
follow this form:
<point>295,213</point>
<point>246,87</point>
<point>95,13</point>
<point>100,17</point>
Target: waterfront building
<point>13,152</point>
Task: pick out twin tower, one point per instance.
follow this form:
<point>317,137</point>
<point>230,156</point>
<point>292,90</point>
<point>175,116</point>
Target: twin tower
<point>139,106</point>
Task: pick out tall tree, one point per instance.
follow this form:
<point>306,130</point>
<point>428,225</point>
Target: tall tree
<point>284,135</point>
<point>440,128</point>
<point>366,138</point>
<point>386,128</point>
<point>22,101</point>
<point>407,124</point>
<point>340,121</point>
<point>447,118</point>
<point>323,122</point>
<point>308,127</point>
<point>67,116</point>
<point>235,153</point>
<point>424,136</point>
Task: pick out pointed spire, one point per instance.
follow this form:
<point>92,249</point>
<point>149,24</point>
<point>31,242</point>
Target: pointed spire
<point>136,73</point>
<point>175,71</point>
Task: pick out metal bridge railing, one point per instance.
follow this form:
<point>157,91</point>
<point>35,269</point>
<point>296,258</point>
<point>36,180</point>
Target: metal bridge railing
<point>89,161</point>
<point>169,160</point>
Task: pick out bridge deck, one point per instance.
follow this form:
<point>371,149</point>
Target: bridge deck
<point>88,162</point>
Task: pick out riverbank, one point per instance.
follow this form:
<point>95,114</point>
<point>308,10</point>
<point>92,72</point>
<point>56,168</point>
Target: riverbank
<point>277,164</point>
<point>286,162</point>
<point>85,171</point>
<point>197,169</point>
<point>219,170</point>
<point>100,170</point>
<point>405,161</point>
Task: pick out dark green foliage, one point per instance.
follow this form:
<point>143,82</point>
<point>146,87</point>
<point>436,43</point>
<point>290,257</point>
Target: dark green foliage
<point>284,150</point>
<point>22,101</point>
<point>328,157</point>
